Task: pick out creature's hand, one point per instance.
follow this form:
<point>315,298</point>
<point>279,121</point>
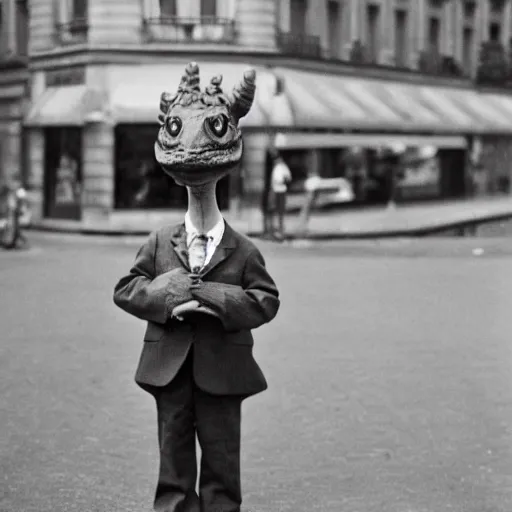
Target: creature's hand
<point>178,287</point>
<point>192,306</point>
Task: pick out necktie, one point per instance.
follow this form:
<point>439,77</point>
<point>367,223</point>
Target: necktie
<point>197,253</point>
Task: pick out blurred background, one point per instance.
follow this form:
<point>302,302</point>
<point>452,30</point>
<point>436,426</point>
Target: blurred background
<point>391,100</point>
<point>389,363</point>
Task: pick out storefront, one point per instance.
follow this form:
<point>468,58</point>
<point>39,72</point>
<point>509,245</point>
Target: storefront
<point>92,145</point>
<point>91,141</point>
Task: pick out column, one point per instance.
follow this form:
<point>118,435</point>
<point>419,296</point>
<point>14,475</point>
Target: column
<point>317,21</point>
<point>98,173</point>
<point>484,20</point>
<point>36,171</point>
<point>354,20</point>
<point>458,20</point>
<point>412,15</point>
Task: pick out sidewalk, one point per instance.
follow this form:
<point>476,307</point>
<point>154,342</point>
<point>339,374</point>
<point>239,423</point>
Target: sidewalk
<point>406,221</point>
<point>401,221</point>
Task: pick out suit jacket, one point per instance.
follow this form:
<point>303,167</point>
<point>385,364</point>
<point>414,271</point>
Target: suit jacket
<point>235,284</point>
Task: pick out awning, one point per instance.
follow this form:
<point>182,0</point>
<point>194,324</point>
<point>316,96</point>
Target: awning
<point>135,92</point>
<point>341,102</point>
<point>65,106</point>
<point>339,140</point>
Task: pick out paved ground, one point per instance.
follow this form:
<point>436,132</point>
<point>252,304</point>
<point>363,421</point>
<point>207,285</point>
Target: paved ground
<point>404,220</point>
<point>389,369</point>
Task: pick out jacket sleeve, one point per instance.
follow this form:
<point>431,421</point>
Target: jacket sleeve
<point>149,297</point>
<point>244,307</point>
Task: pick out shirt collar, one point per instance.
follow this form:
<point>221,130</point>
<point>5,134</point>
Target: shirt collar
<point>215,234</point>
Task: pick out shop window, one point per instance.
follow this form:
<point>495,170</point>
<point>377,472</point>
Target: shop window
<point>140,183</point>
<point>63,172</point>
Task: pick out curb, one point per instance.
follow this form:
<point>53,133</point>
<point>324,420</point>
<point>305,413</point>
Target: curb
<point>320,236</point>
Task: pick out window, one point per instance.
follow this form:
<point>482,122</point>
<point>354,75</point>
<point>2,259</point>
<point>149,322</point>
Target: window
<point>298,14</point>
<point>209,8</point>
<point>78,10</point>
<point>63,172</point>
<point>401,43</point>
<point>495,32</point>
<point>469,10</point>
<point>467,50</point>
<point>434,29</point>
<point>168,8</point>
<point>333,13</point>
<point>373,17</point>
<point>22,28</point>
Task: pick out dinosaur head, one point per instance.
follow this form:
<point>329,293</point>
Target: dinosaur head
<point>199,140</point>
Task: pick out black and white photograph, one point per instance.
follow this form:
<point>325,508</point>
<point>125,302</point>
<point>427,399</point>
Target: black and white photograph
<point>255,255</point>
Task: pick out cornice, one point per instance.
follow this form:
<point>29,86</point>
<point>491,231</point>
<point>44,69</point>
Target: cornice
<point>89,55</point>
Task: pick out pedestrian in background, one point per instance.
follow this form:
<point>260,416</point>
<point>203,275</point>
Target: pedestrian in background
<point>280,178</point>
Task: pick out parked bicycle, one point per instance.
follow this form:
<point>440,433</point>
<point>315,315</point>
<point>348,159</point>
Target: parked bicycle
<point>14,216</point>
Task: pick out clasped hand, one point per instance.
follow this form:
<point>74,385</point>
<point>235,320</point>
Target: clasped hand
<point>184,284</point>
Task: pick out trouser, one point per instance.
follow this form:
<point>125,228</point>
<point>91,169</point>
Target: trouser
<point>185,411</point>
<point>280,202</point>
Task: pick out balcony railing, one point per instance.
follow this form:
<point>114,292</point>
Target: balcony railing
<point>175,29</point>
<point>73,32</point>
<point>494,66</point>
<point>432,62</point>
<point>299,45</point>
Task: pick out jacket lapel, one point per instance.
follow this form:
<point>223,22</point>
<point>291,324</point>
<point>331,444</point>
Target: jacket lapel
<point>224,249</point>
<point>179,242</point>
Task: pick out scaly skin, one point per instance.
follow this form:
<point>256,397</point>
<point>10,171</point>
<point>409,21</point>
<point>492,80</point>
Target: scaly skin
<point>199,142</point>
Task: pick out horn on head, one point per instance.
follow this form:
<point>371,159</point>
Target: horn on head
<point>243,94</point>
<point>192,77</point>
<point>165,102</point>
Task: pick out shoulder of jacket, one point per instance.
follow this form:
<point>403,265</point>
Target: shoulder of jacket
<point>166,232</point>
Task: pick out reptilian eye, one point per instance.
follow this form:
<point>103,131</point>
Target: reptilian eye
<point>218,125</point>
<point>174,126</point>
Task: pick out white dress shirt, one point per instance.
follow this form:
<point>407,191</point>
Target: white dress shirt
<point>281,175</point>
<point>214,236</point>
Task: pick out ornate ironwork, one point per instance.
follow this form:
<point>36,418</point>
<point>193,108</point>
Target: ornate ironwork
<point>299,45</point>
<point>72,32</point>
<point>177,29</point>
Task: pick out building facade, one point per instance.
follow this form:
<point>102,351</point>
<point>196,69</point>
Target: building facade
<point>338,82</point>
<point>13,88</point>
